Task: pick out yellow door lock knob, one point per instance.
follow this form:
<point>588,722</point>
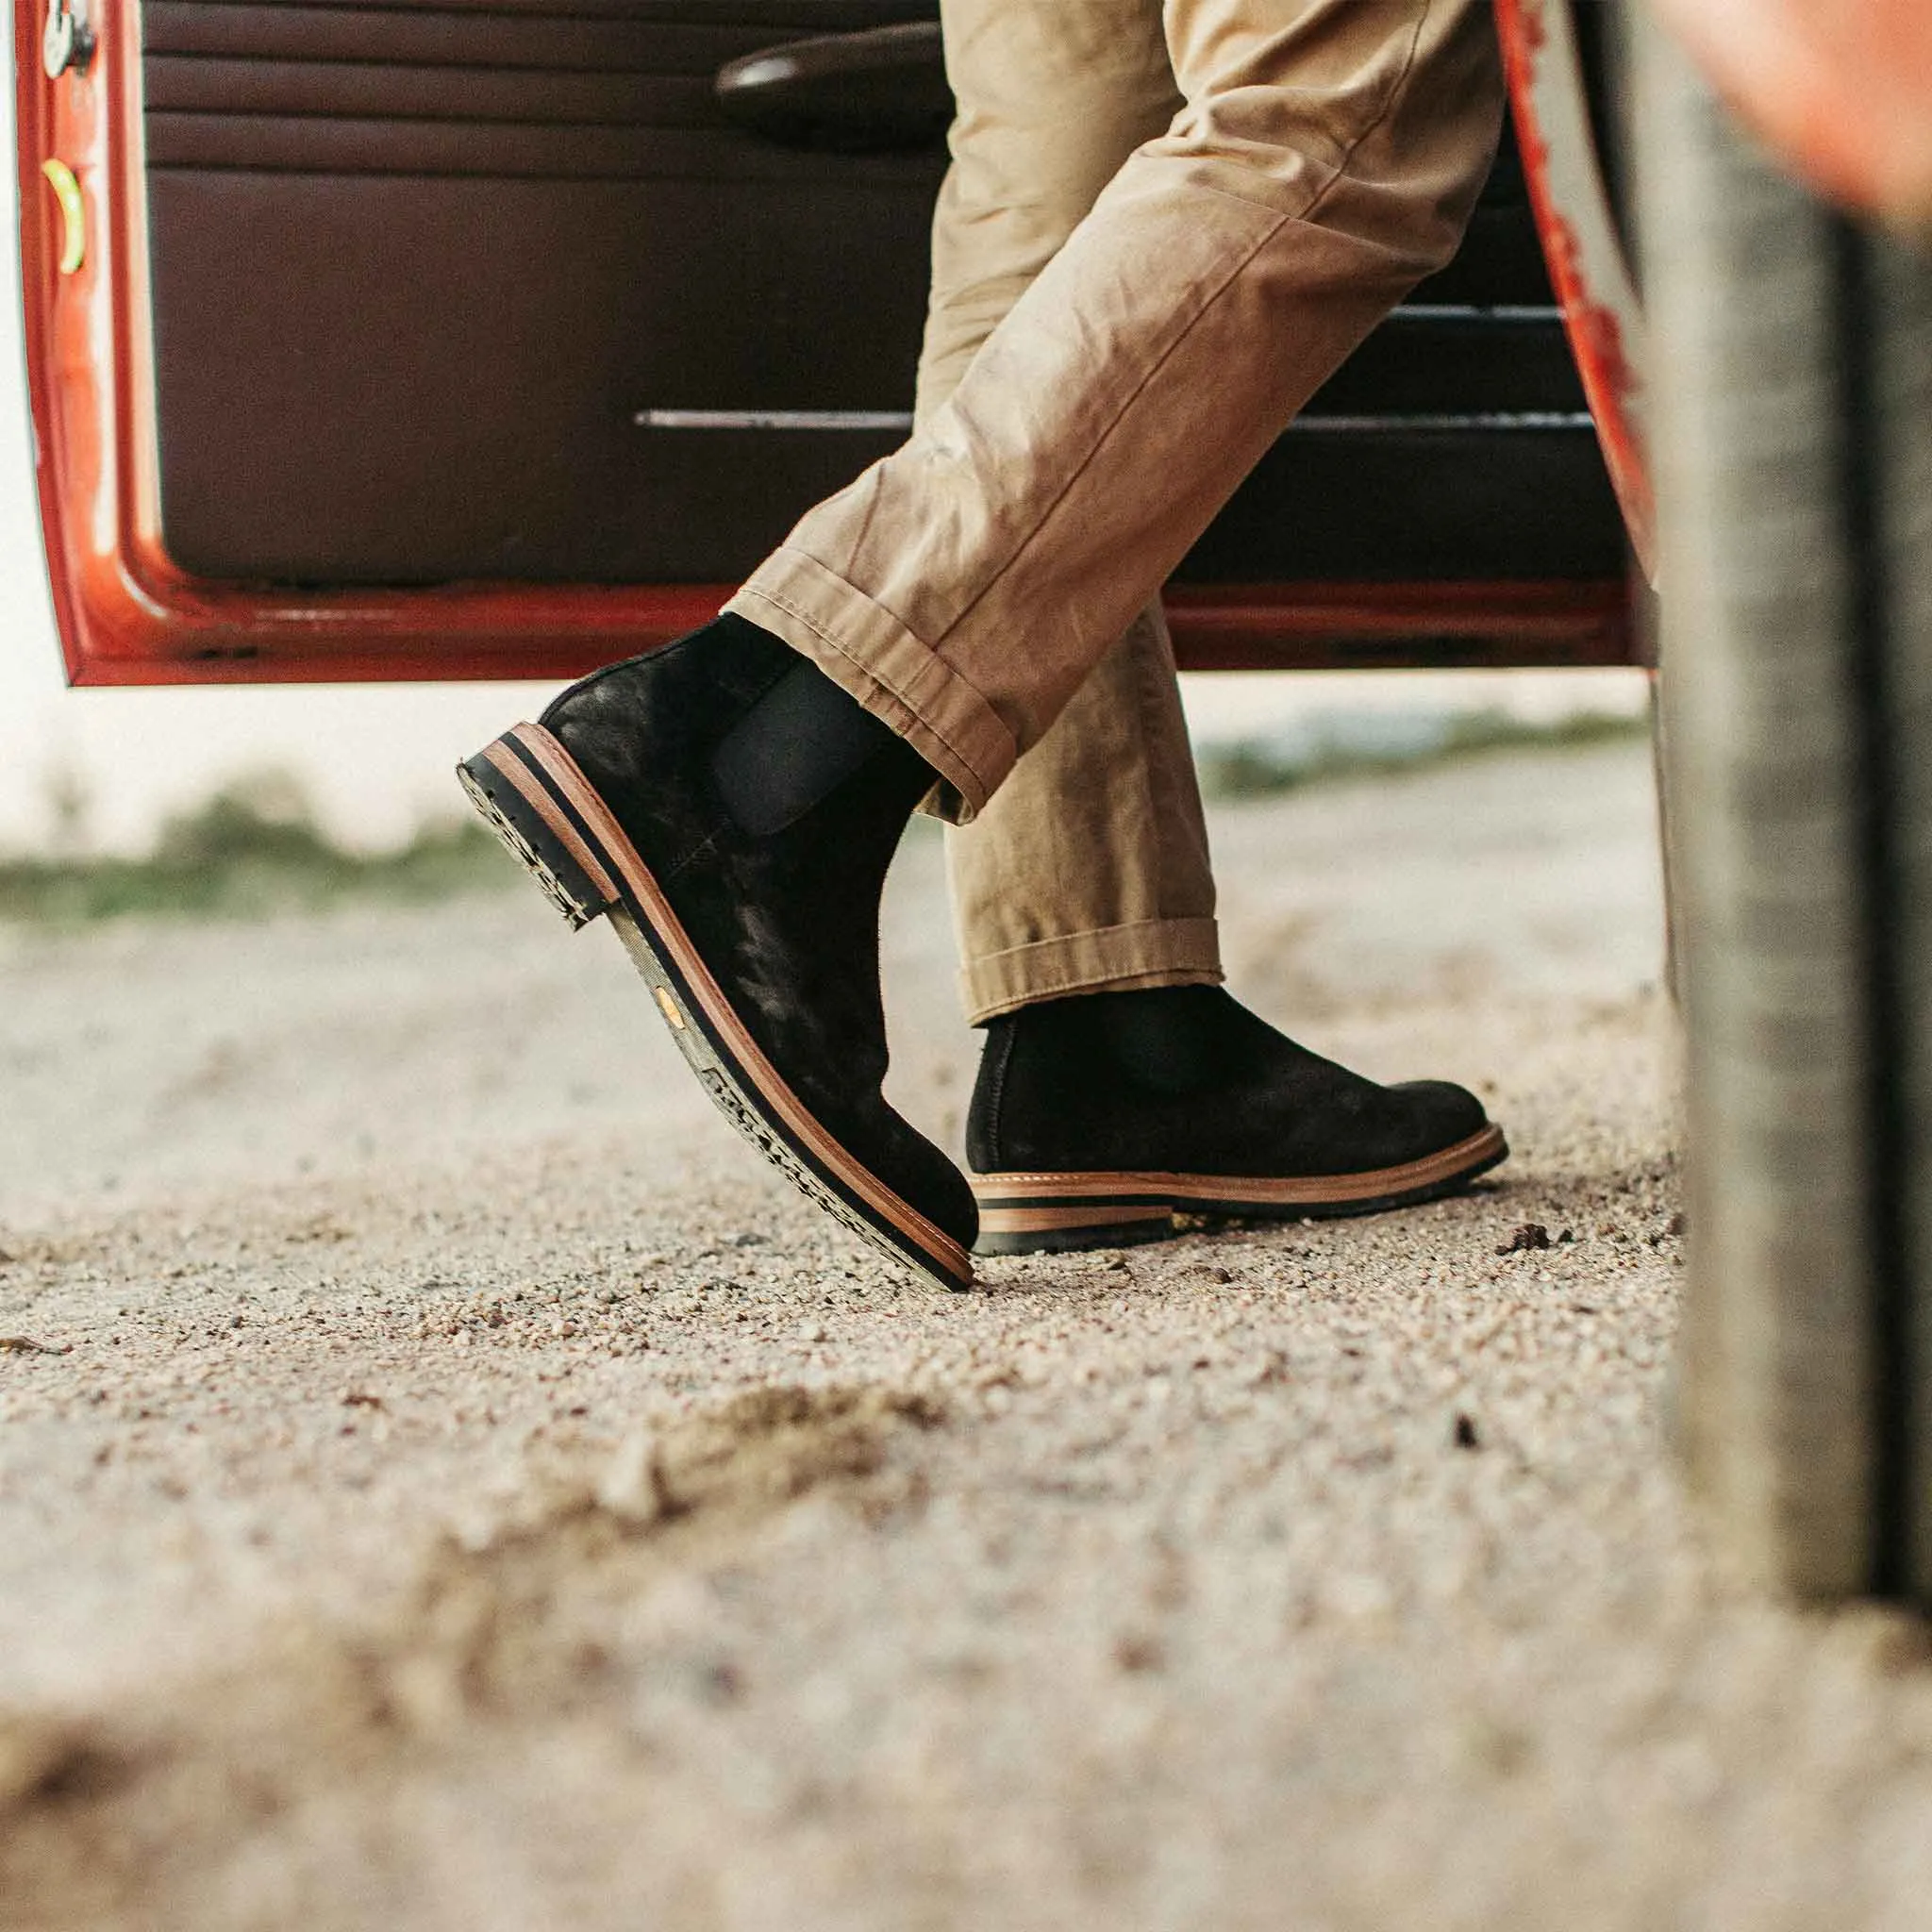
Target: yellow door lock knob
<point>72,214</point>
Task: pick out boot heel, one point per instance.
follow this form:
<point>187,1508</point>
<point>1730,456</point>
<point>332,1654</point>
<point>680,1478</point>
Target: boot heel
<point>1030,1215</point>
<point>506,795</point>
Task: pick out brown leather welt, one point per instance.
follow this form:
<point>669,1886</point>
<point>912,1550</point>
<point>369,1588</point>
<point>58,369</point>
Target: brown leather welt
<point>668,932</point>
<point>1051,1220</point>
<point>1015,1188</point>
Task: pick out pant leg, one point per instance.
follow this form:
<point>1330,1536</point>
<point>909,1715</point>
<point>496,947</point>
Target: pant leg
<point>1051,97</point>
<point>1089,867</point>
<point>1327,158</point>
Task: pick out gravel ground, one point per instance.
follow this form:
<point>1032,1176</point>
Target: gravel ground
<point>444,1481</point>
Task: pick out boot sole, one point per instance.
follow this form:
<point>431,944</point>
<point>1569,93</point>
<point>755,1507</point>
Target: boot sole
<point>531,792</point>
<point>1035,1213</point>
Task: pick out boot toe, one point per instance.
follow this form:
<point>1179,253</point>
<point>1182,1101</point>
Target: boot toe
<point>947,1200</point>
<point>1444,1113</point>
<point>923,1176</point>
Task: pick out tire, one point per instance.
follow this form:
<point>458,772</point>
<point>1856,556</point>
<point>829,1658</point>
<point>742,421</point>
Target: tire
<point>1793,437</point>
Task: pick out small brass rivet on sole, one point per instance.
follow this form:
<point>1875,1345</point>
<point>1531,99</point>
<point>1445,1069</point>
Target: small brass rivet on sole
<point>670,1006</point>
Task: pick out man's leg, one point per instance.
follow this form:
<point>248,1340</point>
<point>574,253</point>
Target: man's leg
<point>732,801</point>
<point>1326,160</point>
<point>1090,867</point>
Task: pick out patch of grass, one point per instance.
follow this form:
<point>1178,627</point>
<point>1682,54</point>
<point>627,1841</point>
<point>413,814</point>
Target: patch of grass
<point>254,848</point>
<point>1256,768</point>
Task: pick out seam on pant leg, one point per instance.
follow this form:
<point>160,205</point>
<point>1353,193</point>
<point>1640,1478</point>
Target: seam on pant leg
<point>1338,172</point>
<point>1382,115</point>
<point>1315,202</point>
<point>1126,403</point>
<point>1155,675</point>
<point>1153,775</point>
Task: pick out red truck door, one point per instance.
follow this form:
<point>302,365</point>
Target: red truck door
<point>488,339</point>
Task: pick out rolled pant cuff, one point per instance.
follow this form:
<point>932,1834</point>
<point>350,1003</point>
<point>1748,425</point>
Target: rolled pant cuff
<point>1114,959</point>
<point>866,651</point>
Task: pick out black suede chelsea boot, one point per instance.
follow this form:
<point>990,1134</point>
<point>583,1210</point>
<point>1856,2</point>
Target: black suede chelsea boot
<point>1098,1119</point>
<point>732,812</point>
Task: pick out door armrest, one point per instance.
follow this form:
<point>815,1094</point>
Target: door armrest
<point>882,89</point>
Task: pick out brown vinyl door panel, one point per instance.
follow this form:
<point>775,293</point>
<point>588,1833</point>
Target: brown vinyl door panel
<point>447,339</point>
<point>421,276</point>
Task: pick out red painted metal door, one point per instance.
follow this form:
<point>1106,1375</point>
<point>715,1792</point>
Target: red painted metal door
<point>293,273</point>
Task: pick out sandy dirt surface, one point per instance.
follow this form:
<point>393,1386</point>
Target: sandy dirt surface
<point>446,1482</point>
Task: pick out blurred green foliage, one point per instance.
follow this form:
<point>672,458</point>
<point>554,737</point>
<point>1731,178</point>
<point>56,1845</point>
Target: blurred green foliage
<point>254,848</point>
<point>1380,748</point>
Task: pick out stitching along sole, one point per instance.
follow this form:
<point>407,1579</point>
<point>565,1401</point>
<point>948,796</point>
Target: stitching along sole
<point>532,795</point>
<point>1033,1213</point>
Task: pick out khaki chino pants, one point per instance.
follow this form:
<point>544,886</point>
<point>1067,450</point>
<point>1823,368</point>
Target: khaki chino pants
<point>1164,228</point>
